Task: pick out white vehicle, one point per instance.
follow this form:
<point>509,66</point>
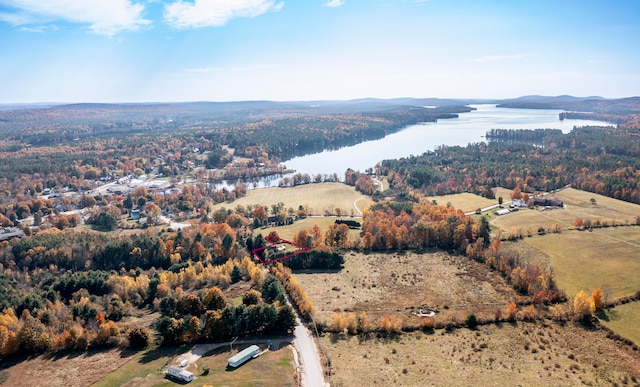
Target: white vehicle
<point>180,374</point>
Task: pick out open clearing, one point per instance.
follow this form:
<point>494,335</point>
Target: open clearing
<point>75,369</point>
<point>399,284</point>
<point>272,368</point>
<point>608,258</point>
<point>525,355</point>
<point>577,205</point>
<point>289,231</point>
<point>623,319</point>
<point>317,198</point>
<point>464,201</point>
<point>582,260</point>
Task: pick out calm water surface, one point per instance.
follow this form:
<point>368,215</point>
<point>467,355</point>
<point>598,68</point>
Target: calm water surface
<point>417,139</point>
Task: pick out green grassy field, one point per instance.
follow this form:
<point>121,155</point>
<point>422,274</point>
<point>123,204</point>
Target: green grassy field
<point>464,201</point>
<point>581,260</point>
<point>624,320</point>
<point>273,368</point>
<point>316,197</point>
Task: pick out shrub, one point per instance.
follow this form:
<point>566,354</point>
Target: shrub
<point>138,338</point>
<point>472,321</point>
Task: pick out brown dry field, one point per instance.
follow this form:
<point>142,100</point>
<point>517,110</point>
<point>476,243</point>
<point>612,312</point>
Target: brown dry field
<point>529,354</point>
<point>401,283</point>
<point>76,369</point>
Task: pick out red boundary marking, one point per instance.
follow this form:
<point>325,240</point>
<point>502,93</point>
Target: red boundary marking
<point>274,241</point>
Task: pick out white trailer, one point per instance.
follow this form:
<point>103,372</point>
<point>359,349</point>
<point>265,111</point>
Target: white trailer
<point>180,374</point>
<point>243,356</point>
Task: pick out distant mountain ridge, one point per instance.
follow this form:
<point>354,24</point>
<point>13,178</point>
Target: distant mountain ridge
<point>566,102</point>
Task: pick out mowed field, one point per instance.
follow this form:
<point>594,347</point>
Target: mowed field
<point>623,319</point>
<point>272,368</point>
<point>402,283</point>
<point>577,205</point>
<point>582,260</point>
<point>464,201</point>
<point>529,354</point>
<point>317,198</point>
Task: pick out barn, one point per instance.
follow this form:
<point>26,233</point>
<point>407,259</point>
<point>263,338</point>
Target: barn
<point>243,356</point>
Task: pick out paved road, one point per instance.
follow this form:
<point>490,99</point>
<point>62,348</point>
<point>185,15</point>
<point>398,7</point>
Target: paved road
<point>312,369</point>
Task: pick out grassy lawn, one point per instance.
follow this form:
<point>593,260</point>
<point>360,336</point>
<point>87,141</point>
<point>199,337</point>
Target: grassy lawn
<point>464,201</point>
<point>316,197</point>
<point>607,258</point>
<point>524,355</point>
<point>624,320</point>
<point>273,368</point>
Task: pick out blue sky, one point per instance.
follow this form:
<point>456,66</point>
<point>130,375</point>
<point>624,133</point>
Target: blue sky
<point>227,50</point>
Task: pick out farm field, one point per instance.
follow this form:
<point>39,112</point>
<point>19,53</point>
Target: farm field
<point>402,283</point>
<point>623,319</point>
<point>582,260</point>
<point>289,231</point>
<point>528,354</point>
<point>577,205</point>
<point>464,201</point>
<point>273,368</point>
<point>315,197</point>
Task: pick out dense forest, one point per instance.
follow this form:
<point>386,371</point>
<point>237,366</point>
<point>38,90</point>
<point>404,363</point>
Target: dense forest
<point>603,160</point>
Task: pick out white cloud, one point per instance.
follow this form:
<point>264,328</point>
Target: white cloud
<point>38,29</point>
<point>215,13</point>
<point>204,70</point>
<point>493,58</point>
<point>106,17</point>
<point>334,3</point>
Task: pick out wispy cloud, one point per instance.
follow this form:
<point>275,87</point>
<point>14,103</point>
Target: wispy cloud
<point>39,29</point>
<point>238,69</point>
<point>215,13</point>
<point>105,17</point>
<point>494,58</point>
<point>334,3</point>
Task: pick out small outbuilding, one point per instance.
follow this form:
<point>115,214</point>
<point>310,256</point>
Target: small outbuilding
<point>504,211</point>
<point>180,374</point>
<point>243,356</point>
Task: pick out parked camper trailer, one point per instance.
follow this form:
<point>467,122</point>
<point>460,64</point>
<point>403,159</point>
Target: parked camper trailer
<point>180,374</point>
<point>243,356</point>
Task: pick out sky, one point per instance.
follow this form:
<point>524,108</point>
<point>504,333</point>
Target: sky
<point>285,50</point>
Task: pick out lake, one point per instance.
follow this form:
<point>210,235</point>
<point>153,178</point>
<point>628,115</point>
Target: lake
<point>417,139</point>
